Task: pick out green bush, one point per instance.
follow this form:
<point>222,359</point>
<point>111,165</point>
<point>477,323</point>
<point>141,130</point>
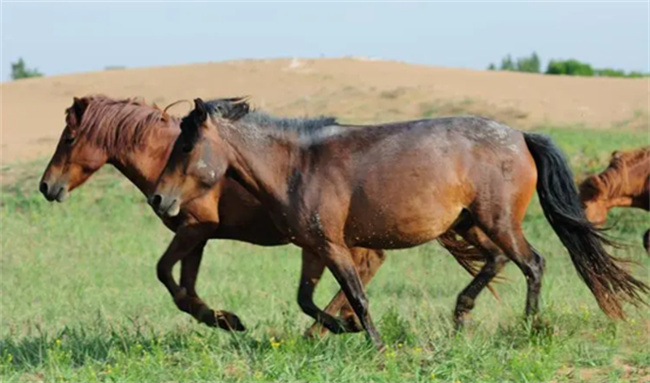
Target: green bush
<point>569,67</point>
<point>507,63</point>
<point>528,64</point>
<point>19,70</point>
<point>523,64</point>
<point>609,72</point>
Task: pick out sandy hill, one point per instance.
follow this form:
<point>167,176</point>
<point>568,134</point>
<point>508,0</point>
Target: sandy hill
<point>355,90</point>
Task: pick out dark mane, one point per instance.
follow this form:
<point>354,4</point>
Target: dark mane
<point>116,124</point>
<point>238,109</point>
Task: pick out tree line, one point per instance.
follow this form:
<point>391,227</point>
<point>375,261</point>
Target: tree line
<point>530,64</point>
<point>570,67</point>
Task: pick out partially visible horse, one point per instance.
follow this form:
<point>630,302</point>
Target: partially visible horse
<point>136,138</point>
<point>394,186</point>
<point>625,183</point>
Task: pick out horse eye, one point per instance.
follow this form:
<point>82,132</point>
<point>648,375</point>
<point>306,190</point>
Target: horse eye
<point>69,140</point>
<point>187,148</point>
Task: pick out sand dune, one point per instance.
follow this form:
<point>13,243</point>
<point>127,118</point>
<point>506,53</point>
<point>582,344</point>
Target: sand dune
<point>355,90</point>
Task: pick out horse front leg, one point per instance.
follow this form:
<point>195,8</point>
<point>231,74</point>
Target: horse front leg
<point>187,246</point>
<point>311,273</point>
<point>189,300</point>
<point>367,262</point>
<point>339,261</point>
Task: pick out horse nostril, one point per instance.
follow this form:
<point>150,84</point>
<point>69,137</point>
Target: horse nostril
<point>43,188</point>
<point>155,201</point>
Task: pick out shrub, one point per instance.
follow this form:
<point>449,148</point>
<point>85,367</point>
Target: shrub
<point>507,63</point>
<point>528,64</point>
<point>523,64</point>
<point>569,67</point>
<point>19,70</point>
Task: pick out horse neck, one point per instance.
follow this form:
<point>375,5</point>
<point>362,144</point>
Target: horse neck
<point>261,164</point>
<point>142,165</point>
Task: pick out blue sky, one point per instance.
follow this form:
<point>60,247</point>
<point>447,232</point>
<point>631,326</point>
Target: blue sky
<point>78,37</point>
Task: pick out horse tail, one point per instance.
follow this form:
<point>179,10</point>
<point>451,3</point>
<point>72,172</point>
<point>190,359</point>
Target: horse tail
<point>608,282</point>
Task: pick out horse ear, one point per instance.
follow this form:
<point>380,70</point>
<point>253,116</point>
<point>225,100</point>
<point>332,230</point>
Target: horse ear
<point>76,111</point>
<point>79,106</point>
<point>201,109</point>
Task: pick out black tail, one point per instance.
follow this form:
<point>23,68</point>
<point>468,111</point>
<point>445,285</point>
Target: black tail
<point>562,207</point>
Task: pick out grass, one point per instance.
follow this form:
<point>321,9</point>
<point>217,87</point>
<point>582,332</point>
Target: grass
<point>80,301</point>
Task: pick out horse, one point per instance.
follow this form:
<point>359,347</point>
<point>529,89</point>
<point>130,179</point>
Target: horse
<point>136,138</point>
<point>391,186</point>
<point>625,183</point>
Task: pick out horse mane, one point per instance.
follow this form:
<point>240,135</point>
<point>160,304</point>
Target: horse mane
<point>116,124</point>
<point>238,109</point>
<point>622,169</point>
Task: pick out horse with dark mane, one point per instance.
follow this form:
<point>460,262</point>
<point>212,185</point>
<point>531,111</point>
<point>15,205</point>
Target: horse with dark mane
<point>625,183</point>
<point>394,186</point>
<point>137,138</point>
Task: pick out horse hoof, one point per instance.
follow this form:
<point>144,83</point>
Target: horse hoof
<point>223,319</point>
<point>229,321</point>
<point>460,321</point>
<point>352,324</point>
<point>315,331</point>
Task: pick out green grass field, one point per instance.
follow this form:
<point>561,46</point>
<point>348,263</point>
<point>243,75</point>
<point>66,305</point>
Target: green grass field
<point>80,301</point>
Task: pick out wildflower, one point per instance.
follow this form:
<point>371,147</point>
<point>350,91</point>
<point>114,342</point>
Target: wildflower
<point>417,350</point>
<point>275,343</point>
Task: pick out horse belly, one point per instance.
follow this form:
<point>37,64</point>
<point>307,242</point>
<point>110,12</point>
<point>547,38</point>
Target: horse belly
<point>401,222</point>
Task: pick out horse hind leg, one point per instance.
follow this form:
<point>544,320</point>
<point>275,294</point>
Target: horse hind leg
<point>510,238</point>
<point>495,259</point>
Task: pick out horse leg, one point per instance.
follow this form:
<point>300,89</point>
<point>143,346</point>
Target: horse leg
<point>183,244</point>
<point>495,260</point>
<point>510,238</point>
<point>193,304</point>
<point>339,261</point>
<point>367,262</point>
<point>311,273</point>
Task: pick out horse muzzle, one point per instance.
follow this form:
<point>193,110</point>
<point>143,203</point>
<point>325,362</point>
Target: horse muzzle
<point>54,191</point>
<point>165,205</point>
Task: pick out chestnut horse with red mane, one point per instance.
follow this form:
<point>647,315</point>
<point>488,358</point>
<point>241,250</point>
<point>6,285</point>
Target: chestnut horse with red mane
<point>393,186</point>
<point>137,138</point>
<point>625,183</point>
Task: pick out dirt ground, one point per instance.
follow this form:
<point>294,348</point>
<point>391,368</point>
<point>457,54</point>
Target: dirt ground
<point>354,89</point>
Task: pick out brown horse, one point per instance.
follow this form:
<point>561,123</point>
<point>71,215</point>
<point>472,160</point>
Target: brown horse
<point>394,186</point>
<point>136,138</point>
<point>625,183</point>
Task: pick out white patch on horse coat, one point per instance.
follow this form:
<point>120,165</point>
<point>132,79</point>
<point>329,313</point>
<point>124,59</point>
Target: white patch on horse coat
<point>322,134</point>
